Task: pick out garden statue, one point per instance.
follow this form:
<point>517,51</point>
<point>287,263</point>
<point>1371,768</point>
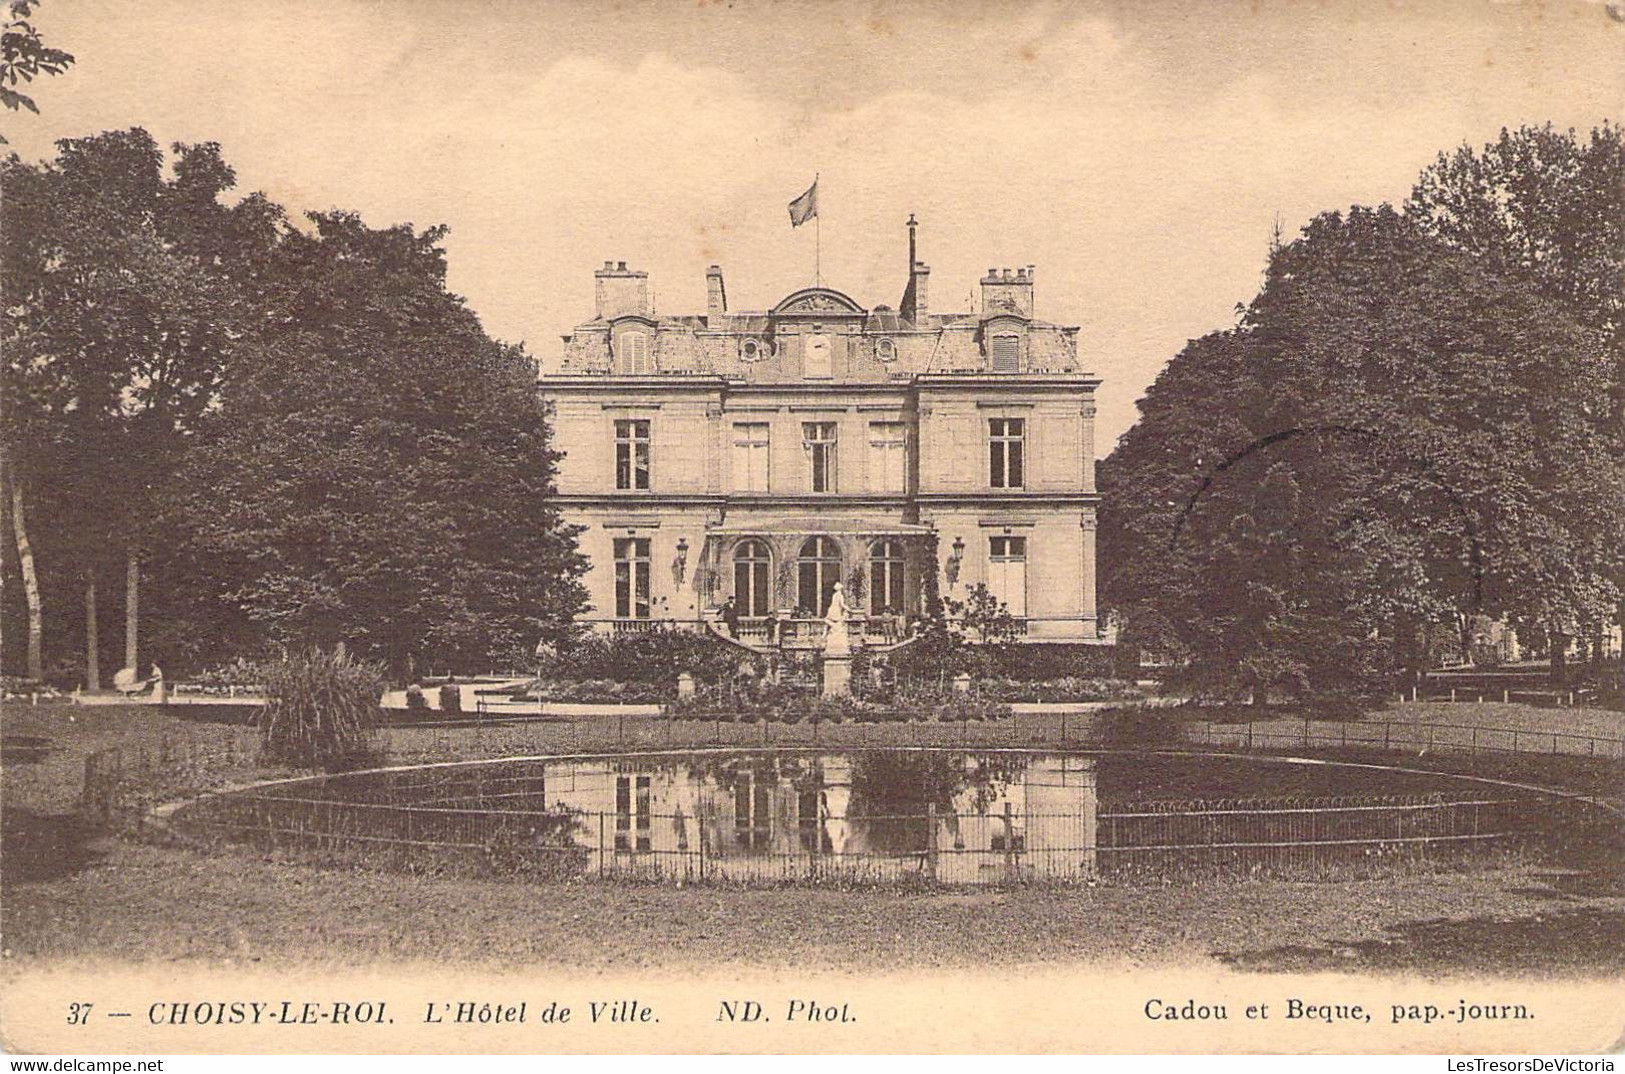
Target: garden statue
<point>837,640</point>
<point>837,663</point>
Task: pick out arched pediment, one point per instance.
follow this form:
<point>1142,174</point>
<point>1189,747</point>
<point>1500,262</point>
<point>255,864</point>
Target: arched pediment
<point>818,301</point>
<point>632,318</point>
<point>1004,321</point>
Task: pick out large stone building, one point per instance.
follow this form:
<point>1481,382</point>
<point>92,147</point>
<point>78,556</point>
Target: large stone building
<point>766,455</point>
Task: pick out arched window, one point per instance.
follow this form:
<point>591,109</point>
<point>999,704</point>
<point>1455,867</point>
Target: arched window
<point>819,569</point>
<point>752,595</point>
<point>885,577</point>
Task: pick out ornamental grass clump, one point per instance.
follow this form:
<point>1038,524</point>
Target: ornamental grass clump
<point>320,710</point>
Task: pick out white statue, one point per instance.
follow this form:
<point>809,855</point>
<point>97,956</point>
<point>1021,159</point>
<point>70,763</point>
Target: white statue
<point>837,642</point>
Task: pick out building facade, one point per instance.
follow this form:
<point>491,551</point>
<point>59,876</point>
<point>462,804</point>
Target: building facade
<point>762,456</point>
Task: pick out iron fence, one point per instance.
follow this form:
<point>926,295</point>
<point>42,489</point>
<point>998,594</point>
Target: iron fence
<point>1125,842</point>
<point>1164,729</point>
<point>1402,735</point>
<point>493,820</point>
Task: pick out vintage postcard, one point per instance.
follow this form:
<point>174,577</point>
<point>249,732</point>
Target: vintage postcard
<point>482,574</point>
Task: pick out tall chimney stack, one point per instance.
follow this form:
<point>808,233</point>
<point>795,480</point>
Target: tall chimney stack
<point>716,295</point>
<point>915,305</point>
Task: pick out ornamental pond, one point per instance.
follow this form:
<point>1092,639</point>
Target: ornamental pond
<point>925,816</point>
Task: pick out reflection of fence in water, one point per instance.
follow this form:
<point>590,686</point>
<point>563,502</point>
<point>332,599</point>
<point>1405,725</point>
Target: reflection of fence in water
<point>1307,834</point>
<point>1127,841</point>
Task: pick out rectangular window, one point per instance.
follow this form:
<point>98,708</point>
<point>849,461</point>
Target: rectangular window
<point>623,812</point>
<point>888,456</point>
<point>632,814</point>
<point>818,439</point>
<point>1007,573</point>
<point>1005,449</point>
<point>752,449</point>
<point>643,806</point>
<point>632,454</point>
<point>1006,352</point>
<point>632,577</point>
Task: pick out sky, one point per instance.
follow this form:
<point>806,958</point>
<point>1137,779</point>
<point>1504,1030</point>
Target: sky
<point>1137,154</point>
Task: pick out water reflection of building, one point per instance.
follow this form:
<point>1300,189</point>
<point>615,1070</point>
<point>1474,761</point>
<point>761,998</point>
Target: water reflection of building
<point>957,818</point>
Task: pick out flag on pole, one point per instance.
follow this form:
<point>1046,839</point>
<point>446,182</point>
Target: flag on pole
<point>805,207</point>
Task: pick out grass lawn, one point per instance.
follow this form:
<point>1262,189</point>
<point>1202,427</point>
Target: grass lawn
<point>72,892</point>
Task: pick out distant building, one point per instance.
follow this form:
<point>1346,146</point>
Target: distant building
<point>766,455</point>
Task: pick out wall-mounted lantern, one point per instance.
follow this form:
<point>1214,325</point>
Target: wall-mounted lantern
<point>679,566</point>
<point>955,558</point>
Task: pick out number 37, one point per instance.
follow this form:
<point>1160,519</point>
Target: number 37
<point>79,1013</point>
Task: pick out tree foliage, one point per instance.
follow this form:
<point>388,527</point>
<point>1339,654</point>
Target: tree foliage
<point>1403,428</point>
<point>309,439</point>
<point>127,291</point>
<point>24,56</point>
<point>380,472</point>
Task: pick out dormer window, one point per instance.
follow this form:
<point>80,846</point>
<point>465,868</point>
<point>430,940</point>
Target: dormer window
<point>886,350</point>
<point>1005,354</point>
<point>755,350</point>
<point>633,348</point>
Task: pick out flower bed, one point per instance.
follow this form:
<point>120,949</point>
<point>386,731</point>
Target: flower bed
<point>792,705</point>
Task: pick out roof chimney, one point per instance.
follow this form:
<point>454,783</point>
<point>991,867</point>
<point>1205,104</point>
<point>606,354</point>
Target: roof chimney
<point>915,305</point>
<point>716,295</point>
<point>1006,291</point>
<point>621,291</point>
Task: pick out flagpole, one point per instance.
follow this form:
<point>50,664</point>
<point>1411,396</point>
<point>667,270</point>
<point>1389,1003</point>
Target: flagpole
<point>818,239</point>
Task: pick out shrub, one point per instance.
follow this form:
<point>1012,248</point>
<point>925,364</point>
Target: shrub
<point>791,705</point>
<point>598,691</point>
<point>1137,728</point>
<point>1060,690</point>
<point>320,710</point>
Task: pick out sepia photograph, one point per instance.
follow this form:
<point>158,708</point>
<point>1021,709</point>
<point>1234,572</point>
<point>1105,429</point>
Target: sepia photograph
<point>479,574</point>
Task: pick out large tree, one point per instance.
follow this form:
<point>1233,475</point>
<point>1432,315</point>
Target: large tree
<point>1550,205</point>
<point>1433,407</point>
<point>125,291</point>
<point>380,472</point>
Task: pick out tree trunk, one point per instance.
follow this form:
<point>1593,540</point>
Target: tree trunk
<point>1621,619</point>
<point>93,671</point>
<point>132,611</point>
<point>1560,658</point>
<point>1405,651</point>
<point>25,556</point>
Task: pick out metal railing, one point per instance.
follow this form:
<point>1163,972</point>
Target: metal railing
<point>517,835</point>
<point>1403,735</point>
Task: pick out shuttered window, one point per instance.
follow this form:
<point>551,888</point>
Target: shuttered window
<point>634,347</point>
<point>888,456</point>
<point>1007,573</point>
<point>752,445</point>
<point>1006,352</point>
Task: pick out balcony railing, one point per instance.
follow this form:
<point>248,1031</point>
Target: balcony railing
<point>641,626</point>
